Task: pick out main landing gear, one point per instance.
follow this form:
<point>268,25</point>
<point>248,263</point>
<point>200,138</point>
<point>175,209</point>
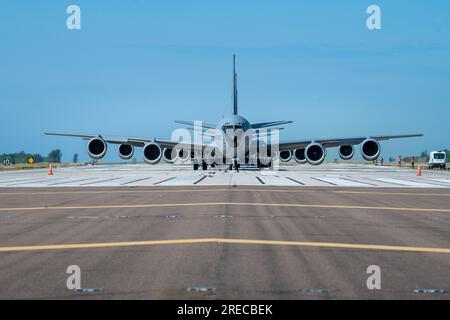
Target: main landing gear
<point>196,165</point>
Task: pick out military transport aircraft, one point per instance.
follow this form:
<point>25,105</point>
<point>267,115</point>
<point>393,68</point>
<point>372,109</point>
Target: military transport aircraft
<point>234,127</point>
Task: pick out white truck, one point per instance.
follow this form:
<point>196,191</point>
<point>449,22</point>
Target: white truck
<point>437,159</point>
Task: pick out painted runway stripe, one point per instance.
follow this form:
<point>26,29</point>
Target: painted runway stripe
<point>200,180</point>
<point>360,182</point>
<point>156,183</point>
<point>203,204</point>
<point>333,184</point>
<point>226,241</point>
<point>69,181</point>
<point>275,180</point>
<point>395,183</point>
<point>34,181</point>
<point>187,180</point>
<point>17,180</point>
<point>259,179</point>
<point>442,180</point>
<point>133,181</point>
<point>402,182</point>
<point>338,181</point>
<point>100,181</point>
<point>300,183</point>
<point>430,183</point>
<point>282,190</point>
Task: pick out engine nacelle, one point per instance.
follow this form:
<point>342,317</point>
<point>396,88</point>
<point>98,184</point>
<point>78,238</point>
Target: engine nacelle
<point>275,156</point>
<point>370,149</point>
<point>126,151</point>
<point>346,152</point>
<point>299,155</point>
<point>97,148</point>
<point>170,155</point>
<point>315,153</point>
<point>152,153</point>
<point>183,155</point>
<point>211,156</point>
<point>285,156</point>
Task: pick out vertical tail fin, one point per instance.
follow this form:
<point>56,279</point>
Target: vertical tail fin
<point>235,100</point>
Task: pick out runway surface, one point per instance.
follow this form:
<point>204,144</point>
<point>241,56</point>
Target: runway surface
<point>224,242</point>
<point>326,175</point>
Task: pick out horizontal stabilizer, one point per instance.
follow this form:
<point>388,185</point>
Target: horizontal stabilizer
<point>192,124</point>
<point>269,124</point>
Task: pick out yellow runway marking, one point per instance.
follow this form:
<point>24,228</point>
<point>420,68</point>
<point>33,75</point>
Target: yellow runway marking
<point>225,241</point>
<point>206,204</point>
<point>222,190</point>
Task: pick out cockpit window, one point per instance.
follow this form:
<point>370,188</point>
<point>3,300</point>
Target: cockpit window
<point>231,127</point>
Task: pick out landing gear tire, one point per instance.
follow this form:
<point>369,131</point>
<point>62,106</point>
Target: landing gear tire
<point>204,165</point>
<point>236,165</point>
<point>195,166</point>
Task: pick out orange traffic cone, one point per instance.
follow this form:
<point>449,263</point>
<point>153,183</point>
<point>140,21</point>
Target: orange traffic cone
<point>50,169</point>
<point>419,171</point>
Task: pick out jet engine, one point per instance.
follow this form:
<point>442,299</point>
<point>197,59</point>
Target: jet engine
<point>97,148</point>
<point>126,151</point>
<point>170,155</point>
<point>299,155</point>
<point>152,153</point>
<point>183,155</point>
<point>285,156</point>
<point>315,153</point>
<point>346,152</point>
<point>370,149</point>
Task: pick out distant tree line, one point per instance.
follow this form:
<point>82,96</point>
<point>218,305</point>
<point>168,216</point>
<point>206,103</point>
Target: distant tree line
<point>22,157</point>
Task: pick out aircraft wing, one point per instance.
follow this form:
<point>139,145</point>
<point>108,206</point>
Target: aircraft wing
<point>137,142</point>
<point>172,144</point>
<point>340,141</point>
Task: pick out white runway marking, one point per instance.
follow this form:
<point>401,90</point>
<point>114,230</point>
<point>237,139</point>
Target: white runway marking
<point>338,181</point>
<point>131,175</point>
<point>217,178</point>
<point>69,181</point>
<point>164,181</point>
<point>442,180</point>
<point>40,181</point>
<point>277,181</point>
<point>407,183</point>
<point>182,180</point>
<point>133,180</point>
<point>103,182</point>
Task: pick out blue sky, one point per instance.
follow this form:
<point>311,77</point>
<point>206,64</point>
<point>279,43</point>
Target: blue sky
<point>135,66</point>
